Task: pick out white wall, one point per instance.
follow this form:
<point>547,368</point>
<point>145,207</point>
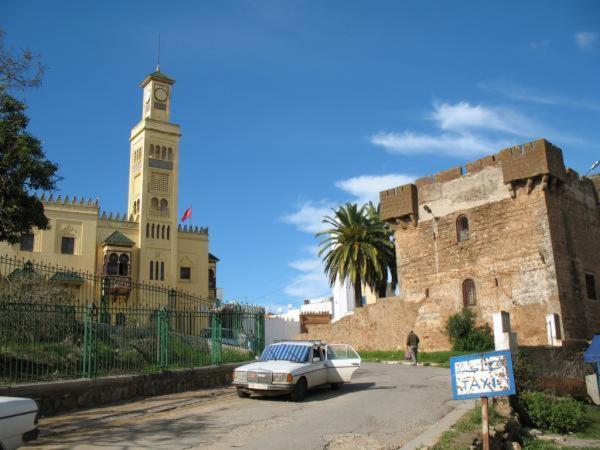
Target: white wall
<point>277,328</point>
<point>343,300</point>
<point>323,306</point>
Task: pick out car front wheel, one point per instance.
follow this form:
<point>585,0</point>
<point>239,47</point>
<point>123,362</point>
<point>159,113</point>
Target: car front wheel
<point>300,390</point>
<point>243,394</point>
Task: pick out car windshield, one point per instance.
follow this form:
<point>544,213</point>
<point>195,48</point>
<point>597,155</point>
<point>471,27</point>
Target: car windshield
<point>286,352</point>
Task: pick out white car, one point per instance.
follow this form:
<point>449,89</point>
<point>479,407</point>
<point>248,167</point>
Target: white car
<point>294,367</point>
<point>18,421</point>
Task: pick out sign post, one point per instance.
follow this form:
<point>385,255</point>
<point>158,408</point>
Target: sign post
<point>482,376</point>
<point>485,424</point>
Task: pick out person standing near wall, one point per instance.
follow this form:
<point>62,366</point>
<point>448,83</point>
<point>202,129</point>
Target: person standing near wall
<point>412,342</point>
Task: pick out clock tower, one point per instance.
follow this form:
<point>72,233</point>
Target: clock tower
<point>153,182</point>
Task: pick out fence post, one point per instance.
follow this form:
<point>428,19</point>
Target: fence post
<point>89,341</point>
<point>162,324</point>
<point>215,338</point>
<point>172,306</point>
<point>261,332</point>
<point>104,315</point>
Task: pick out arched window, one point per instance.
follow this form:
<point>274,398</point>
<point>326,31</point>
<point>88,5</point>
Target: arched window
<point>152,231</point>
<point>170,154</point>
<point>147,230</point>
<point>163,232</point>
<point>151,150</point>
<point>124,265</point>
<point>154,203</point>
<point>168,231</point>
<point>112,268</point>
<point>164,206</point>
<point>151,270</point>
<point>164,153</point>
<point>134,207</point>
<point>162,271</point>
<point>156,270</point>
<point>462,229</point>
<point>468,290</point>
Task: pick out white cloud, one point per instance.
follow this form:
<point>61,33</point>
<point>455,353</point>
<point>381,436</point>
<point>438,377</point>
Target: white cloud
<point>311,282</point>
<point>309,216</point>
<point>455,144</point>
<point>466,130</point>
<point>520,93</point>
<point>463,116</point>
<point>306,265</point>
<point>539,45</point>
<point>586,39</point>
<point>366,188</point>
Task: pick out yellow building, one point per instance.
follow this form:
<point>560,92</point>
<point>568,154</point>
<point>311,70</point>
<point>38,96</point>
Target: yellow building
<point>145,245</point>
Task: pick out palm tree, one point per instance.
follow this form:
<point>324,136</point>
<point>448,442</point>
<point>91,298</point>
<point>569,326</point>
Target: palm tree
<point>388,257</point>
<point>356,247</point>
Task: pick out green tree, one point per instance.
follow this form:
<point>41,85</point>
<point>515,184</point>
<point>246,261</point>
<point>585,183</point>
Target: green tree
<point>388,258</point>
<point>356,247</point>
<point>20,70</point>
<point>465,336</point>
<point>23,170</point>
<point>23,166</point>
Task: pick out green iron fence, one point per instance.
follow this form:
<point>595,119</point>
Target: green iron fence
<point>82,288</point>
<point>46,333</point>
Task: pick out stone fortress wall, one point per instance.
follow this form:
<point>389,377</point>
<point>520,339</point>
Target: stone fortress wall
<point>534,233</point>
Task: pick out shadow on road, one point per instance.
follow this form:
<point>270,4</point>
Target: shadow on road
<point>325,392</point>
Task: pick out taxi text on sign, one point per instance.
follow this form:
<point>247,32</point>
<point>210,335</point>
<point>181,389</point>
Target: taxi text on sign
<point>482,375</point>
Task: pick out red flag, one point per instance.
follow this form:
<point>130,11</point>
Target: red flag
<point>187,214</point>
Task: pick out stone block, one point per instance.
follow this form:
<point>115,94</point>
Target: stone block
<point>532,159</point>
<point>477,166</point>
<point>399,202</point>
<point>448,175</point>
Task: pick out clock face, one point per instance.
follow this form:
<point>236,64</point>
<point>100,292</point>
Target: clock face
<point>146,95</point>
<point>160,94</point>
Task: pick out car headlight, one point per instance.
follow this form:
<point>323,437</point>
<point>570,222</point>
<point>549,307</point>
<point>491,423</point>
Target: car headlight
<point>240,376</point>
<point>282,378</point>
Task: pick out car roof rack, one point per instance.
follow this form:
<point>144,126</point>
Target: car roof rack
<point>313,341</point>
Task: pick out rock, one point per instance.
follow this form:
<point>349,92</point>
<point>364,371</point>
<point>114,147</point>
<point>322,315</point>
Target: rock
<point>535,433</point>
<point>500,428</point>
<point>516,446</point>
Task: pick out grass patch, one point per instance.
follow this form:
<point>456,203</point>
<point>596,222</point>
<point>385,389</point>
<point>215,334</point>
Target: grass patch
<point>535,444</point>
<point>469,424</point>
<point>398,355</point>
<point>592,430</point>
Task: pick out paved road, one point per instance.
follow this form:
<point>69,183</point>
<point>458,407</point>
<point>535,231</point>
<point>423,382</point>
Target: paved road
<point>384,407</point>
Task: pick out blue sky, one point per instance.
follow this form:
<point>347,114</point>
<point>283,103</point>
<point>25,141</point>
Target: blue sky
<point>290,107</point>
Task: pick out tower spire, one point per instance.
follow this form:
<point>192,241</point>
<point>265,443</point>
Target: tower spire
<point>158,55</point>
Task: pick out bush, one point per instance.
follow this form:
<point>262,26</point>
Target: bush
<point>557,414</point>
<point>465,336</point>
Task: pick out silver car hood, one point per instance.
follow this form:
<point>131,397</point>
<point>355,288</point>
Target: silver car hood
<point>273,366</point>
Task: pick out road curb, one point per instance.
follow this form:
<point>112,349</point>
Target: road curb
<point>432,435</point>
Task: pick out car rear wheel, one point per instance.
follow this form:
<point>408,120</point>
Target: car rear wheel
<point>243,394</point>
<point>300,390</point>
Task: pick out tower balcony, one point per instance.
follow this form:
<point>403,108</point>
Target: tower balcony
<point>118,284</point>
